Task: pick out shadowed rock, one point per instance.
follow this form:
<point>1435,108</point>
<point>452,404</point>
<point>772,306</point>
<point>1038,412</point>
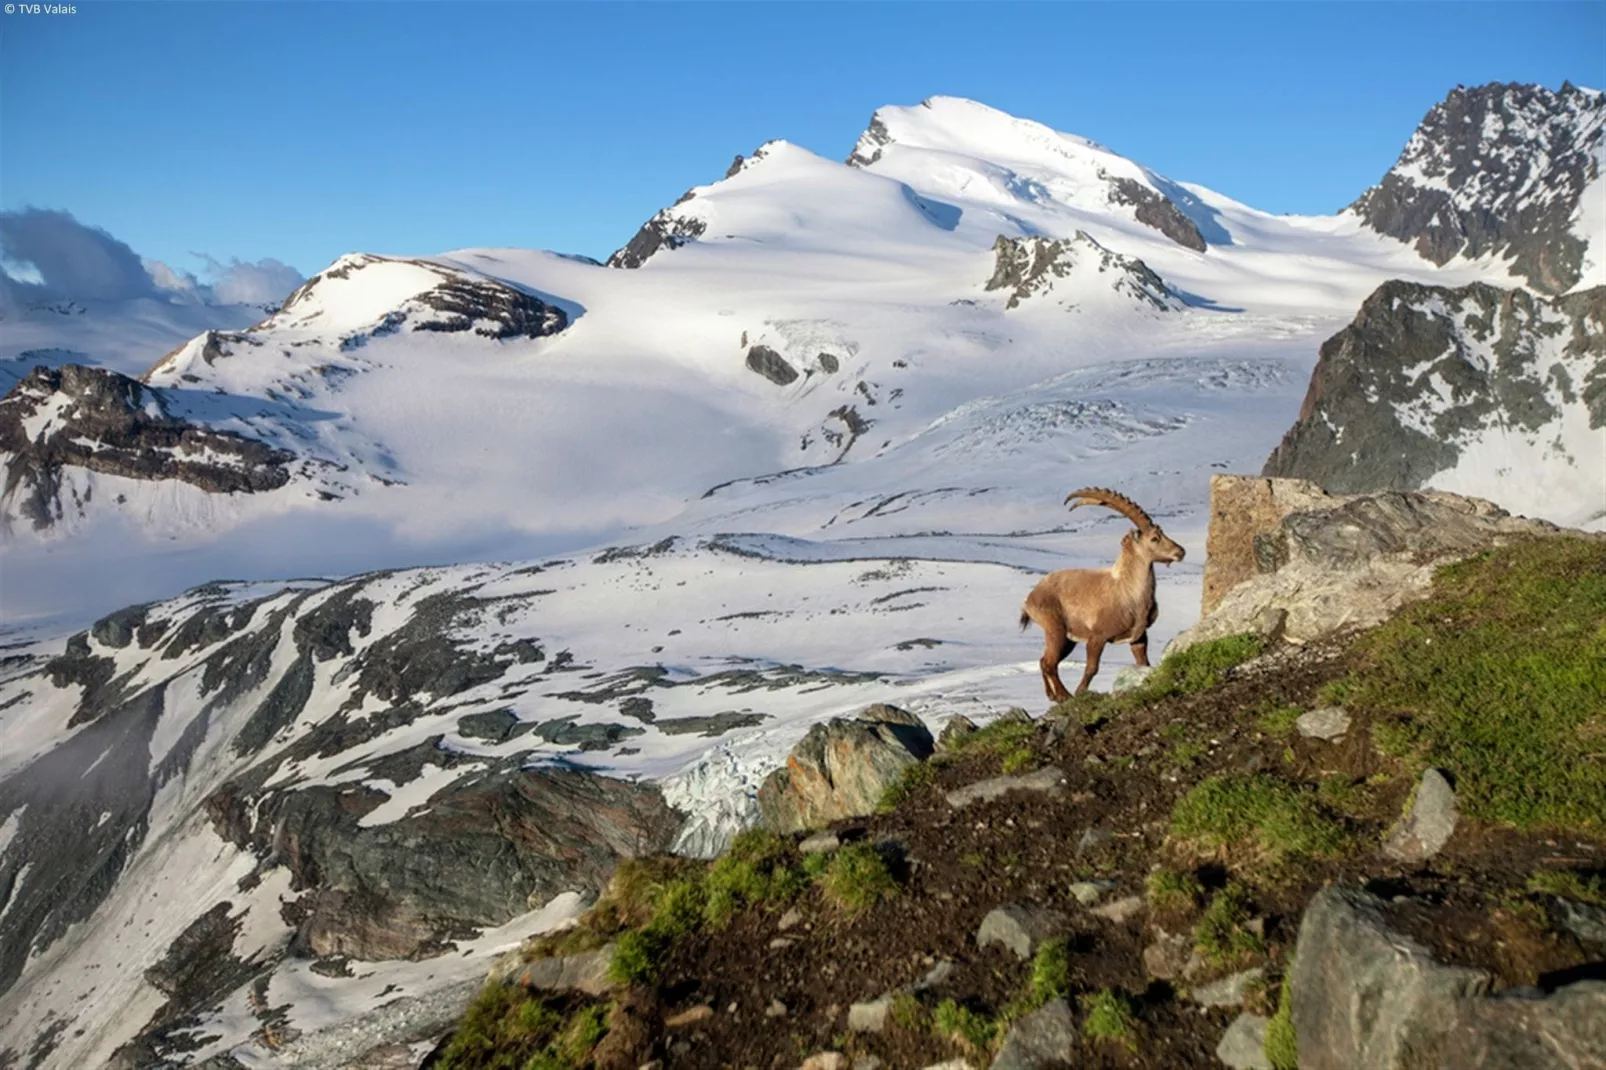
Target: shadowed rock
<point>1366,995</point>
<point>842,769</point>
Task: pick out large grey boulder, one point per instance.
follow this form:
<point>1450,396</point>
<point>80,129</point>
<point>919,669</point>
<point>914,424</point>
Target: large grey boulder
<point>1044,1038</point>
<point>1566,1030</point>
<point>841,769</point>
<point>1366,997</point>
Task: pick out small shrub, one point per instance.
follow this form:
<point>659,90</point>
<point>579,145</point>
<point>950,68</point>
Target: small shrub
<point>1171,890</point>
<point>857,878</point>
<point>510,1028</point>
<point>636,958</point>
<point>1186,755</point>
<point>1279,720</point>
<point>1281,1047</point>
<point>1109,1017</point>
<point>1200,667</point>
<point>915,779</point>
<point>1569,885</point>
<point>996,738</point>
<point>1280,819</point>
<point>956,1022</point>
<point>906,1011</point>
<point>1018,759</point>
<point>1221,936</point>
<point>815,865</point>
<point>1051,971</point>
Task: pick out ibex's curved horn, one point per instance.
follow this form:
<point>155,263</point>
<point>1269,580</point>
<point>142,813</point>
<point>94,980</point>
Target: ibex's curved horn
<point>1111,500</point>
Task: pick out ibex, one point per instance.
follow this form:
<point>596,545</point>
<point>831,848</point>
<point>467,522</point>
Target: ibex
<point>1096,605</point>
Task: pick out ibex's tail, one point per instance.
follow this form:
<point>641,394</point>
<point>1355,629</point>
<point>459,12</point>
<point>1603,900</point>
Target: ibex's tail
<point>1025,620</point>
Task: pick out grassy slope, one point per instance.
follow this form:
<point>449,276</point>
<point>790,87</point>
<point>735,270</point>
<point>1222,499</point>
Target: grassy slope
<point>1196,793</point>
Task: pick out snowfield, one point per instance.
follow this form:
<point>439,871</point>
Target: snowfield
<point>806,461</point>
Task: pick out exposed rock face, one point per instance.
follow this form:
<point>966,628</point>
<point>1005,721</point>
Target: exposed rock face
<point>483,852</point>
<point>97,419</point>
<point>1029,267</point>
<point>1365,994</point>
<point>1045,1038</point>
<point>771,365</point>
<point>1499,168</point>
<point>666,230</point>
<point>1425,374</point>
<point>1156,210</point>
<point>1333,563</point>
<point>1427,827</point>
<point>461,301</point>
<point>1519,1031</point>
<point>867,150</point>
<point>234,693</point>
<point>1020,927</point>
<point>842,768</point>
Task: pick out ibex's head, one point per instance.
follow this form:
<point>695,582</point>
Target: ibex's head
<point>1149,541</point>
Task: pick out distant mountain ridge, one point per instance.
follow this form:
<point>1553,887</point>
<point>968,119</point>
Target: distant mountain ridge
<point>1503,169</point>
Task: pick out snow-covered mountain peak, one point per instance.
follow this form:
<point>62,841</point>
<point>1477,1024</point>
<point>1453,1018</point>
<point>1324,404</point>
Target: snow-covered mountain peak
<point>1504,169</point>
<point>955,124</point>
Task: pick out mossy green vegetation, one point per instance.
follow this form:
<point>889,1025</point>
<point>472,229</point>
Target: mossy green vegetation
<point>1500,678</point>
<point>966,1027</point>
<point>999,737</point>
<point>1200,667</point>
<point>1051,971</point>
<point>906,1011</point>
<point>1569,884</point>
<point>1172,891</point>
<point>1275,720</point>
<point>1281,1048</point>
<point>1108,1017</point>
<point>915,779</point>
<point>1281,819</point>
<point>857,878</point>
<point>511,1028</point>
<point>1222,935</point>
<point>1018,759</point>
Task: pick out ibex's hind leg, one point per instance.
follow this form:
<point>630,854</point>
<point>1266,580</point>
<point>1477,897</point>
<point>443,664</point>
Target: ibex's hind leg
<point>1056,648</point>
<point>1095,648</point>
<point>1140,650</point>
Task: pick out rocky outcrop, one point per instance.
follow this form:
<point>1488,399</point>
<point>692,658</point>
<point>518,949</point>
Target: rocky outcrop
<point>842,768</point>
<point>1032,267</point>
<point>1497,169</point>
<point>483,852</point>
<point>1328,563</point>
<point>771,365</point>
<point>1156,210</point>
<point>666,230</point>
<point>1427,824</point>
<point>96,419</point>
<point>461,301</point>
<point>1425,374</point>
<point>1525,1030</point>
<point>1045,1038</point>
<point>1364,994</point>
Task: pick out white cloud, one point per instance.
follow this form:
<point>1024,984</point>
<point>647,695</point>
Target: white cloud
<point>240,282</point>
<point>47,255</point>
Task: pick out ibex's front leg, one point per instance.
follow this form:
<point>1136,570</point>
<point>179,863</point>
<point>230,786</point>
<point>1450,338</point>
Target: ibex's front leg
<point>1140,649</point>
<point>1095,648</point>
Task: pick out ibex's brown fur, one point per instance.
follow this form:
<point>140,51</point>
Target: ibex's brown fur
<point>1098,606</point>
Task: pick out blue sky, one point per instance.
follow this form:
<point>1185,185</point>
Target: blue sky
<point>301,131</point>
